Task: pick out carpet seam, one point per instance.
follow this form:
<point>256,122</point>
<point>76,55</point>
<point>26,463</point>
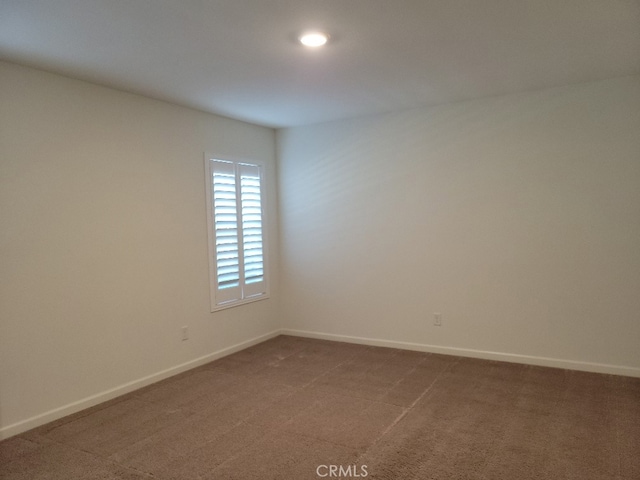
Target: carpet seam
<point>407,409</point>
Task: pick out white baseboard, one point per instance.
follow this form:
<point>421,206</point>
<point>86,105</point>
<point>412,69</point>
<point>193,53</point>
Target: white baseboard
<point>55,414</point>
<point>463,352</point>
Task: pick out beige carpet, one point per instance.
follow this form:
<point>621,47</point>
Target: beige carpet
<point>294,408</point>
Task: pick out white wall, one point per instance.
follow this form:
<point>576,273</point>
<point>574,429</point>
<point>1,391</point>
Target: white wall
<point>103,244</point>
<point>517,218</point>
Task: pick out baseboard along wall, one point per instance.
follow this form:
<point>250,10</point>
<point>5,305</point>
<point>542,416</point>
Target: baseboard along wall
<point>57,413</point>
<point>104,396</point>
<point>482,354</point>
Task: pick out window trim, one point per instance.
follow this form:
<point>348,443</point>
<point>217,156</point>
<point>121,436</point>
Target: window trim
<point>211,243</point>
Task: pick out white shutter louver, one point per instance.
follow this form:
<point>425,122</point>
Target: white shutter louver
<point>236,221</point>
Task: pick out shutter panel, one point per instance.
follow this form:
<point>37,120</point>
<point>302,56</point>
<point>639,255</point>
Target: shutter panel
<point>252,229</point>
<point>226,232</point>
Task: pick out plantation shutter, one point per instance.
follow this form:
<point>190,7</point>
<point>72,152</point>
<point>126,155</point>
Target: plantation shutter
<point>237,224</point>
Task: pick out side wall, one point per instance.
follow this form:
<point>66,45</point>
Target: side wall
<point>517,218</point>
<point>103,245</point>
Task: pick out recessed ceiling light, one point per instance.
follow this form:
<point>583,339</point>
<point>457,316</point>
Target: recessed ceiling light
<point>313,39</point>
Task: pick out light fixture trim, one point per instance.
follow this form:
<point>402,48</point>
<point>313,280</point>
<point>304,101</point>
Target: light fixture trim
<point>313,38</point>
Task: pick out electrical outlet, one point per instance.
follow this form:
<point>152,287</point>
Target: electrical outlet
<point>437,319</point>
<point>185,333</point>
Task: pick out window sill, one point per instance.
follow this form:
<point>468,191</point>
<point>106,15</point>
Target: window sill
<point>237,303</point>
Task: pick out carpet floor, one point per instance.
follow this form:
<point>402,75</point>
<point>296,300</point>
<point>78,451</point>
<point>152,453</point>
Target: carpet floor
<point>296,409</point>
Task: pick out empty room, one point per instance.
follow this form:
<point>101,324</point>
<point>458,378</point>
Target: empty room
<point>303,239</point>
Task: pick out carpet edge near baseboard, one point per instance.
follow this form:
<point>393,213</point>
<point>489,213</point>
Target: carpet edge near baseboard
<point>481,354</point>
<point>54,414</point>
<point>70,408</point>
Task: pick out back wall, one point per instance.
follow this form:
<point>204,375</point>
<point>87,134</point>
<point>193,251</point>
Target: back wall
<point>517,218</point>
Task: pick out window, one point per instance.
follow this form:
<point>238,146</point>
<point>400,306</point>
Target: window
<point>235,211</point>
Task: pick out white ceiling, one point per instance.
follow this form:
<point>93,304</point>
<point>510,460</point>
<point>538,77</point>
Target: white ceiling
<point>239,58</point>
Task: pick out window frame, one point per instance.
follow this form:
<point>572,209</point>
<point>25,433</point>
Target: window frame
<point>211,234</point>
